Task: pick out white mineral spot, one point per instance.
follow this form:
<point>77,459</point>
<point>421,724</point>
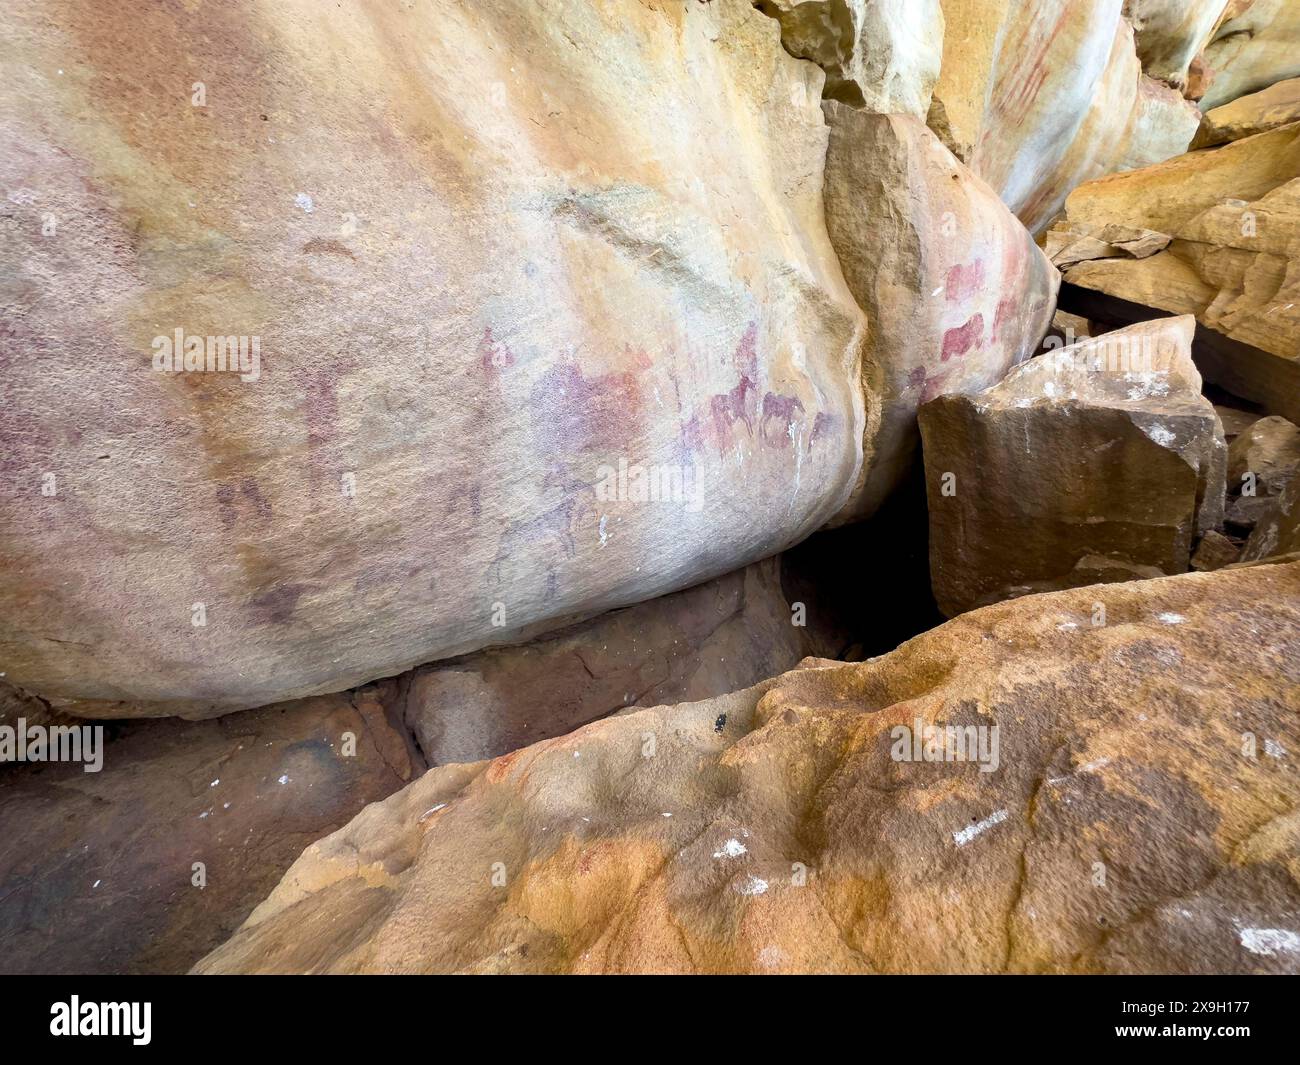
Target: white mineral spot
<point>305,202</point>
<point>1270,941</point>
<point>215,783</point>
<point>965,835</point>
<point>1160,435</point>
<point>284,780</point>
<point>733,848</point>
<point>1170,618</point>
<point>96,883</point>
<point>752,885</point>
<point>604,536</point>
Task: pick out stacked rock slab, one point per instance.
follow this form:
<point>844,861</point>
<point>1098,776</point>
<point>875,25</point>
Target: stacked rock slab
<point>1099,462</point>
<point>1232,219</point>
<point>953,285</point>
<point>1141,817</point>
<point>486,250</point>
<point>1278,105</point>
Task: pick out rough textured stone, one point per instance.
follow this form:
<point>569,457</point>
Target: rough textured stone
<point>722,636</point>
<point>1215,551</point>
<point>1038,96</point>
<point>1278,105</point>
<point>1277,532</point>
<point>1098,462</point>
<point>883,55</point>
<point>1171,33</point>
<point>1270,450</point>
<point>1234,216</point>
<point>1259,47</point>
<point>96,869</point>
<point>1125,830</point>
<point>954,287</point>
<point>488,248</point>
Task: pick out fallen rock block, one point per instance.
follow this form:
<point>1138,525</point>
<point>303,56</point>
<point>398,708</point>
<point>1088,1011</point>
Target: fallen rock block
<point>1277,530</point>
<point>1264,458</point>
<point>719,637</point>
<point>954,287</point>
<point>1216,551</point>
<point>1099,462</point>
<point>1234,218</point>
<point>1094,781</point>
<point>146,863</point>
<point>1278,105</point>
<point>1171,33</point>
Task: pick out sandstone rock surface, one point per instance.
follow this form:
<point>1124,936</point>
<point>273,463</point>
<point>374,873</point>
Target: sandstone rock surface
<point>1278,105</point>
<point>1252,51</point>
<point>954,287</point>
<point>1234,218</point>
<point>1038,96</point>
<point>1268,452</point>
<point>487,250</point>
<point>1099,462</point>
<point>719,637</point>
<point>1142,818</point>
<point>882,55</point>
<point>1171,33</point>
<point>97,870</point>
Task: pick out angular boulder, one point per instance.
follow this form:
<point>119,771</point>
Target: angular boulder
<point>1267,454</point>
<point>1232,217</point>
<point>1277,532</point>
<point>146,864</point>
<point>1140,814</point>
<point>719,637</point>
<point>489,254</point>
<point>953,285</point>
<point>882,55</point>
<point>1095,463</point>
<point>1038,96</point>
<point>1278,105</point>
<point>1255,49</point>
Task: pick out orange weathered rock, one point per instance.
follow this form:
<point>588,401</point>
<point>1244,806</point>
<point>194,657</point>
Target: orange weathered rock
<point>1139,814</point>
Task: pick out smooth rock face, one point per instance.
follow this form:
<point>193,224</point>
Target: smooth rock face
<point>1171,33</point>
<point>722,636</point>
<point>1234,218</point>
<point>1038,96</point>
<point>882,55</point>
<point>488,249</point>
<point>1259,47</point>
<point>1124,829</point>
<point>1278,105</point>
<point>953,285</point>
<point>97,868</point>
<point>1098,462</point>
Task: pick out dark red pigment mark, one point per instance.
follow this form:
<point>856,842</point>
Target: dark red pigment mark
<point>961,341</point>
<point>572,412</point>
<point>228,505</point>
<point>823,424</point>
<point>727,408</point>
<point>1006,312</point>
<point>276,607</point>
<point>964,281</point>
<point>782,411</point>
<point>916,377</point>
